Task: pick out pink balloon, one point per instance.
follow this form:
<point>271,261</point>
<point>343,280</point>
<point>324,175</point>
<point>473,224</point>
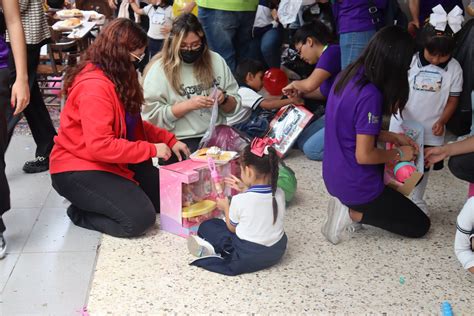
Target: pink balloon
<point>274,81</point>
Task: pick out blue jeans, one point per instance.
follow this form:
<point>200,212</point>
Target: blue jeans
<point>154,46</point>
<point>311,140</point>
<point>352,45</point>
<point>267,47</point>
<point>228,33</point>
<point>472,107</point>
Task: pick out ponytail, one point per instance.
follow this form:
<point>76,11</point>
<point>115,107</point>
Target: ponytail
<point>273,161</point>
<point>265,165</point>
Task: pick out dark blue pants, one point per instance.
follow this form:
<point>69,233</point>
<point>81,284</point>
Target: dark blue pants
<point>238,256</point>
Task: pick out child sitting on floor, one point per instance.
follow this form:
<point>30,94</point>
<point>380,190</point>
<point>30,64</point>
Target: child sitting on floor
<point>159,12</point>
<point>252,237</point>
<point>256,112</point>
<point>435,81</point>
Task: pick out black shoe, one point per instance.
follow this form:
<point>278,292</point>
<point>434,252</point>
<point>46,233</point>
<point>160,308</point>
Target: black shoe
<point>39,164</point>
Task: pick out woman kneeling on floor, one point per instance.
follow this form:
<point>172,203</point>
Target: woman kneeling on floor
<point>375,84</point>
<point>101,161</point>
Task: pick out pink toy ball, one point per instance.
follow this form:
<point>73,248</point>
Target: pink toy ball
<point>274,80</point>
<point>403,170</point>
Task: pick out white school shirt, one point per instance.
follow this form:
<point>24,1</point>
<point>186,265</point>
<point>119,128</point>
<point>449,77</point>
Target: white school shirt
<point>464,231</point>
<point>250,101</point>
<point>252,215</point>
<point>158,18</point>
<point>430,88</point>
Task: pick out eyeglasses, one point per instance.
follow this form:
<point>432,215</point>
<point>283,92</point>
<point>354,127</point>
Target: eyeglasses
<point>298,51</point>
<point>138,58</point>
<point>194,46</point>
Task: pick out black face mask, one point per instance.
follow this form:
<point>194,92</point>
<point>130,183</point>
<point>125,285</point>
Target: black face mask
<point>136,64</point>
<point>190,56</point>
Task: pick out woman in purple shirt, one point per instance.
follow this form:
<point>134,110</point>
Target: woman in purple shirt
<point>374,85</point>
<point>313,42</point>
<point>19,93</point>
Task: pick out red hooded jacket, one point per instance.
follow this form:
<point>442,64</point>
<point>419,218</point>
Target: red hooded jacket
<point>92,132</point>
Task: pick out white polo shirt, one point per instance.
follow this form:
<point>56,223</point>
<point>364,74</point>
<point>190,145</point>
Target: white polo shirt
<point>250,101</point>
<point>252,215</point>
<point>430,88</point>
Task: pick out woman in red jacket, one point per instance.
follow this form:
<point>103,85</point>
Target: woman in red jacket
<point>101,161</point>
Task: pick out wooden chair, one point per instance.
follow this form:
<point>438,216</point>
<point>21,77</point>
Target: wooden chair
<point>100,6</point>
<point>60,52</point>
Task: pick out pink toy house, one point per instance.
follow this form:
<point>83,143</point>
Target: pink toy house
<point>188,194</point>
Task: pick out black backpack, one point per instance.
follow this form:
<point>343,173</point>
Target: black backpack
<point>391,15</point>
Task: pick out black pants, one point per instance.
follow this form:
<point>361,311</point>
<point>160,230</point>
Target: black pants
<point>462,166</point>
<point>111,204</point>
<point>396,213</point>
<point>4,104</point>
<point>36,113</point>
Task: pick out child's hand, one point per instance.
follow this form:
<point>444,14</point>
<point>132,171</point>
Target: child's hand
<point>297,100</point>
<point>222,204</point>
<point>235,183</point>
<point>165,29</point>
<point>163,151</point>
<point>438,128</point>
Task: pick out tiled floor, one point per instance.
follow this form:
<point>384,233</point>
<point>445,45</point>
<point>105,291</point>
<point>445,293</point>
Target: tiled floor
<point>151,275</point>
<point>50,262</point>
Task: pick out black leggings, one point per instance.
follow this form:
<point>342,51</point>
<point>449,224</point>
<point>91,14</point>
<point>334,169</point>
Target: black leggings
<point>109,203</point>
<point>394,212</point>
<point>4,103</point>
<point>462,166</point>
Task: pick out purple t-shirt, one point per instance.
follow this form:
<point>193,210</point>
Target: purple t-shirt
<point>426,7</point>
<point>330,61</point>
<point>3,53</point>
<point>3,45</point>
<point>354,16</point>
<point>356,110</point>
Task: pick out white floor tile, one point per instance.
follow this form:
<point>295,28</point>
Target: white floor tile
<point>19,223</point>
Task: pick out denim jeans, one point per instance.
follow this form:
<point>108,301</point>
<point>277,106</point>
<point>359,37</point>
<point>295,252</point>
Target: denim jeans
<point>267,47</point>
<point>352,45</point>
<point>229,33</point>
<point>311,140</point>
<point>472,113</point>
<point>154,46</point>
<point>109,203</point>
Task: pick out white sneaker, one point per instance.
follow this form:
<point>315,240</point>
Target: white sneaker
<point>3,246</point>
<point>199,247</point>
<point>338,221</point>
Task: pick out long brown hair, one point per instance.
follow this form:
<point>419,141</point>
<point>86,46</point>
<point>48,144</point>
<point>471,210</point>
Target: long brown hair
<point>170,56</point>
<point>267,165</point>
<point>110,52</point>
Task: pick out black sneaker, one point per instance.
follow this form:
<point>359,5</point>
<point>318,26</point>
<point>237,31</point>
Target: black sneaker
<point>39,164</point>
<point>3,247</point>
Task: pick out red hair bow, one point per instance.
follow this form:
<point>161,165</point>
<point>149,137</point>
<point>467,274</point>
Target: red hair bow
<point>259,146</point>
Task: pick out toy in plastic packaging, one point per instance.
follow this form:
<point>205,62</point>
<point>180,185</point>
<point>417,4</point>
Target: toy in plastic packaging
<point>212,124</point>
<point>287,125</point>
<point>404,176</point>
